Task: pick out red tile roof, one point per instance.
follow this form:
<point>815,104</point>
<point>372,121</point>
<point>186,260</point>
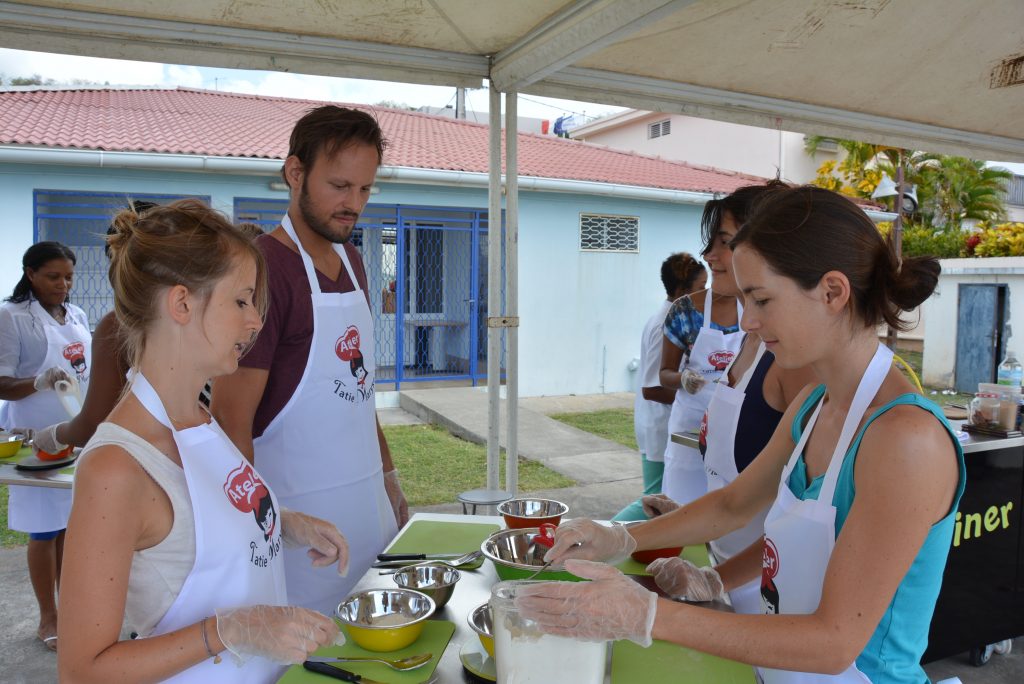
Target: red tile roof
<point>189,121</point>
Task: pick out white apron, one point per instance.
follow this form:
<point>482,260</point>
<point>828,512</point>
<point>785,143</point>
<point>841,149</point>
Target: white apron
<point>650,418</point>
<point>321,453</point>
<point>238,542</point>
<point>719,428</point>
<point>712,351</point>
<point>800,534</point>
<point>68,346</point>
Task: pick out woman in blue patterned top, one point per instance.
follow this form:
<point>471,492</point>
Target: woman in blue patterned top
<point>863,476</point>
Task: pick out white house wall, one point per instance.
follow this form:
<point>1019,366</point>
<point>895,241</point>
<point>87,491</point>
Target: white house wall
<point>746,149</point>
<point>939,362</point>
<point>581,313</point>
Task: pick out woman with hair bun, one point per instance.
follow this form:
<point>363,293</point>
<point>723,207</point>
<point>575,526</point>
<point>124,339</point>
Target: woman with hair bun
<point>44,339</point>
<point>174,537</point>
<point>862,478</point>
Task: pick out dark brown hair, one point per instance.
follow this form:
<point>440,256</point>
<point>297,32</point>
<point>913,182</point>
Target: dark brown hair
<point>328,129</point>
<point>181,243</point>
<point>34,258</point>
<point>679,272</point>
<point>805,232</point>
<point>738,203</point>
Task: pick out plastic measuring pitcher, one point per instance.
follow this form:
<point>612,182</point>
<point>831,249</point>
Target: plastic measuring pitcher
<point>525,655</point>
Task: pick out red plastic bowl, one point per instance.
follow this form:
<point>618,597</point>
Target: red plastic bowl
<point>650,555</point>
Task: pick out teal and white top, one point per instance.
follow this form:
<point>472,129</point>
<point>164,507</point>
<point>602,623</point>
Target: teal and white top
<point>893,654</point>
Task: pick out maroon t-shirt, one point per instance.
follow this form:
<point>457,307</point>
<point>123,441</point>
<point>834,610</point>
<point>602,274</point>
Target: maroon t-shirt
<point>282,346</point>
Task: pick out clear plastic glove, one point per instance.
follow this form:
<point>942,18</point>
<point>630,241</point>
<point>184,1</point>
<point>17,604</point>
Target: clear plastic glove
<point>610,607</point>
<point>26,433</point>
<point>397,497</point>
<point>682,579</point>
<point>587,540</point>
<point>691,381</point>
<point>657,504</point>
<point>49,377</point>
<point>326,543</point>
<point>284,634</point>
<point>46,440</point>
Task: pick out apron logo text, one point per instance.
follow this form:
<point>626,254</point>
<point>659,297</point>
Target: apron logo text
<point>769,569</point>
<point>719,360</point>
<point>247,493</point>
<point>347,349</point>
<point>75,355</point>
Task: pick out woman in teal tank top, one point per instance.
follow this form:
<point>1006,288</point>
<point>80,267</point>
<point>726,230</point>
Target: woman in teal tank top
<point>861,479</point>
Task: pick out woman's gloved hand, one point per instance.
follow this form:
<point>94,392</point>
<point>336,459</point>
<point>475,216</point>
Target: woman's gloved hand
<point>326,543</point>
<point>49,378</point>
<point>657,504</point>
<point>284,634</point>
<point>587,540</point>
<point>397,497</point>
<point>610,607</point>
<point>691,381</point>
<point>682,579</point>
<point>46,440</point>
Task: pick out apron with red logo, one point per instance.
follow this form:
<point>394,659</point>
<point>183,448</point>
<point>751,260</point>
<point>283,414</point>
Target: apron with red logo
<point>238,541</point>
<point>718,433</point>
<point>320,453</point>
<point>712,351</point>
<point>68,346</point>
<point>801,533</point>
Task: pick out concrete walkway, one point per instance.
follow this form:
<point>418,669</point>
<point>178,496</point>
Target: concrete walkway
<point>607,476</point>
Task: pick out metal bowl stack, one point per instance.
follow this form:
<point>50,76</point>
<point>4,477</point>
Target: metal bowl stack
<point>516,555</point>
<point>520,513</point>
<point>385,619</point>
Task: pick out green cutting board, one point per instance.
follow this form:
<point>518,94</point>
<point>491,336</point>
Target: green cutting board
<point>665,662</point>
<point>435,637</point>
<point>428,536</point>
<point>698,555</point>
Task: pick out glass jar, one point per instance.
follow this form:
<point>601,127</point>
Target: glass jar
<point>984,410</point>
<point>525,655</point>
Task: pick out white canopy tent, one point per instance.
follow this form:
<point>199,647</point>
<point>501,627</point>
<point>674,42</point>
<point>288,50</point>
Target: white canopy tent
<point>939,75</point>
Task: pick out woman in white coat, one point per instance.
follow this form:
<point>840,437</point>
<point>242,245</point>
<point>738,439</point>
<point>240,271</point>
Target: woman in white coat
<point>863,476</point>
<point>174,537</point>
<point>44,338</point>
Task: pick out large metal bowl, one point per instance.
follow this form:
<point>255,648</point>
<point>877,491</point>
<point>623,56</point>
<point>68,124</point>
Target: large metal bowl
<point>520,513</point>
<point>385,619</point>
<point>516,556</point>
<point>480,622</point>
<point>436,581</point>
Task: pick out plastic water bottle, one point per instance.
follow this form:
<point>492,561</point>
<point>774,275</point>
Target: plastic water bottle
<point>1010,371</point>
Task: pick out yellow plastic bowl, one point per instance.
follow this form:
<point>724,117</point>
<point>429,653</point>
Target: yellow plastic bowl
<point>480,621</point>
<point>385,619</point>
<point>9,444</point>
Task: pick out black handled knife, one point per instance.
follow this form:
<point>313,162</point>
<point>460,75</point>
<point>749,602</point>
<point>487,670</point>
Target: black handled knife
<point>337,673</point>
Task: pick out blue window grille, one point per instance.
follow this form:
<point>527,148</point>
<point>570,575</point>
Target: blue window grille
<point>426,271</point>
<point>80,221</point>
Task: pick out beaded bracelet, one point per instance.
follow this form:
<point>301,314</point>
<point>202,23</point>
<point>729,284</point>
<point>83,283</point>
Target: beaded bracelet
<point>206,643</point>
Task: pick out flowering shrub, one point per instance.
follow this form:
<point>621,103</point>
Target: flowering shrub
<point>919,240</point>
<point>1004,239</point>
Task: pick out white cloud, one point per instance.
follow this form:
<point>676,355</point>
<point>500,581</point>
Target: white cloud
<point>187,76</point>
<point>66,68</point>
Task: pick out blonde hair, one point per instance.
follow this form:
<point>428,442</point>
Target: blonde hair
<point>182,243</point>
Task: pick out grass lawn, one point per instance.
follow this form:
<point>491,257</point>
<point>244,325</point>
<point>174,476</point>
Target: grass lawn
<point>436,466</point>
<point>613,424</point>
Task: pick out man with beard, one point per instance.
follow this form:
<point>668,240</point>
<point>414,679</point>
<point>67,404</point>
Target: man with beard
<point>297,407</point>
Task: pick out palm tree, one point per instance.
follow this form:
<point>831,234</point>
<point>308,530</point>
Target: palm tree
<point>958,189</point>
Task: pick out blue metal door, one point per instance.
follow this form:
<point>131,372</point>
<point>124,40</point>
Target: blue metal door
<point>979,334</point>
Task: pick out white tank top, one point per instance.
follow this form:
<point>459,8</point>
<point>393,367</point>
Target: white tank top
<point>158,572</point>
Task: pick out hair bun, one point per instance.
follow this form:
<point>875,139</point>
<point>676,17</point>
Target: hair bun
<point>914,281</point>
<point>123,225</point>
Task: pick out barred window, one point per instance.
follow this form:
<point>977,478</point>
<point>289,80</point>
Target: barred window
<point>659,129</point>
<point>603,233</point>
